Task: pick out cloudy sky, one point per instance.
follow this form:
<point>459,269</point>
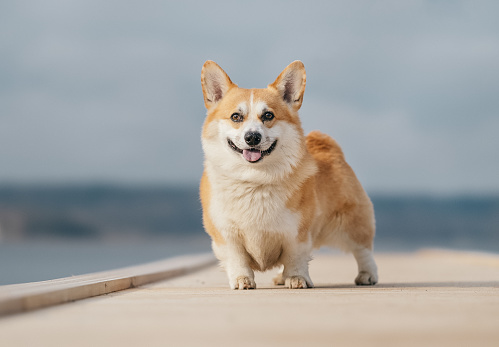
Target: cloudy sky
<point>94,91</point>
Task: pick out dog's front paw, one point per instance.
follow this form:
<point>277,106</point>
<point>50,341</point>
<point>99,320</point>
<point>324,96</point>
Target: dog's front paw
<point>297,282</point>
<point>365,278</point>
<point>243,282</point>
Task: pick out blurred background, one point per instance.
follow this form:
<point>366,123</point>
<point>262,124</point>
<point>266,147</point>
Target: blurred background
<point>101,112</point>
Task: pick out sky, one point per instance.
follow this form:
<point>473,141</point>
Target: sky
<point>94,91</point>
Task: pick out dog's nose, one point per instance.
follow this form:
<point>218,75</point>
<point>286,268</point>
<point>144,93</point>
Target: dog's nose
<point>252,138</point>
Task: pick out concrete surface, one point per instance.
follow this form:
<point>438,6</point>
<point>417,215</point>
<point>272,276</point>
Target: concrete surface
<point>427,298</point>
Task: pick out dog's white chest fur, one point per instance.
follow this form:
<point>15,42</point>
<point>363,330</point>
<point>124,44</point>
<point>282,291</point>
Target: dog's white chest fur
<point>251,209</point>
<point>254,216</point>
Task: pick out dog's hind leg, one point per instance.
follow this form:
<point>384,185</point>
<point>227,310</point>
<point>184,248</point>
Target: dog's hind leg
<point>356,235</point>
<point>368,271</point>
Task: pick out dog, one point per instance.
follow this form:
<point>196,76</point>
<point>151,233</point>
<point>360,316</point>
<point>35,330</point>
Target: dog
<point>270,194</point>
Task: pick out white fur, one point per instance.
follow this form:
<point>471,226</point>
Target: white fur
<point>295,258</point>
<point>243,108</point>
<point>258,108</point>
<point>368,271</point>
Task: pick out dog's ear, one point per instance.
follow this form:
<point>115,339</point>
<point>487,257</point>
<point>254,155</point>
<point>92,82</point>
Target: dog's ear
<point>291,84</point>
<point>215,83</point>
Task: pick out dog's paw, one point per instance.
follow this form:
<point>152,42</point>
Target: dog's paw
<point>365,278</point>
<point>278,280</point>
<point>298,282</point>
<point>244,282</point>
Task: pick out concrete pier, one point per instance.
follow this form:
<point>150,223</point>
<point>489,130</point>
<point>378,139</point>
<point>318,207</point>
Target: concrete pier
<point>426,298</point>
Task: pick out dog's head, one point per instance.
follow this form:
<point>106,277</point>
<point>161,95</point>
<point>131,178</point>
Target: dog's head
<point>253,129</point>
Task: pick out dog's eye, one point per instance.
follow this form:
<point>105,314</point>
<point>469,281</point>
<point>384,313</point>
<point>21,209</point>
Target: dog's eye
<point>236,117</point>
<point>267,116</point>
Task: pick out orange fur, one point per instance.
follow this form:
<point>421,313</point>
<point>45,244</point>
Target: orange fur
<point>205,193</point>
<point>339,193</point>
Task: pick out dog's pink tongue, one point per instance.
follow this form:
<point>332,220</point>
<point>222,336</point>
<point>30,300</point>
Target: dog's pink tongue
<point>252,154</point>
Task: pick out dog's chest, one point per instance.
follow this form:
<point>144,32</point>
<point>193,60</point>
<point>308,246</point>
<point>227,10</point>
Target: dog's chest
<point>253,211</point>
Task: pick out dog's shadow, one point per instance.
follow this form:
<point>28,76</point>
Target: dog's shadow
<point>401,285</point>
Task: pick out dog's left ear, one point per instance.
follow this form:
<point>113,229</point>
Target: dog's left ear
<point>291,84</point>
<point>215,83</point>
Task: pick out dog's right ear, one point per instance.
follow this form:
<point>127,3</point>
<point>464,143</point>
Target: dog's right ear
<point>215,83</point>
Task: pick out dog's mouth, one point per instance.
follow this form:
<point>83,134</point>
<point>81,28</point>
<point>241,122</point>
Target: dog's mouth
<point>252,155</point>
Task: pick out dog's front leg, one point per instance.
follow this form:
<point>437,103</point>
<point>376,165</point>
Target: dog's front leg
<point>295,259</point>
<point>240,274</point>
<point>235,260</point>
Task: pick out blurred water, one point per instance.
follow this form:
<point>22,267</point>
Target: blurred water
<point>30,261</point>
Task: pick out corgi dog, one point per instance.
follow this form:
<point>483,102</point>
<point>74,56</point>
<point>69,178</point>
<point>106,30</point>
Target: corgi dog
<point>270,194</point>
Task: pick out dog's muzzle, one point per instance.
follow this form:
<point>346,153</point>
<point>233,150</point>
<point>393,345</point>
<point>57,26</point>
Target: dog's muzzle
<point>252,155</point>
